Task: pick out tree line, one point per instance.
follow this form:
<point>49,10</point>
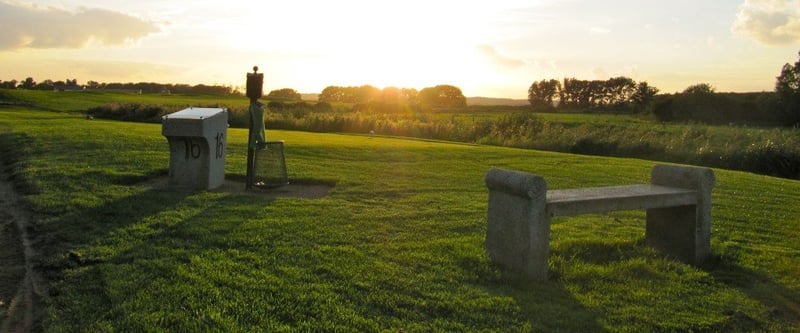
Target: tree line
<point>370,99</point>
<point>698,103</point>
<point>392,99</point>
<point>615,94</point>
<point>143,87</point>
<point>701,103</point>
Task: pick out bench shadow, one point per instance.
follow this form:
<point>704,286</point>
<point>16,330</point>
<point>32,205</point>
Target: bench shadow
<point>546,305</point>
<point>783,303</point>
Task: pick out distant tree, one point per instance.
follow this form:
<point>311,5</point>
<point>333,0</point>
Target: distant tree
<point>28,83</point>
<point>643,97</point>
<point>8,84</point>
<point>285,94</point>
<point>576,93</point>
<point>699,102</point>
<point>544,93</point>
<point>699,89</point>
<point>442,96</point>
<point>390,95</point>
<point>362,94</point>
<point>45,85</point>
<point>331,94</point>
<point>365,94</point>
<point>787,86</point>
<point>618,91</point>
<point>410,95</point>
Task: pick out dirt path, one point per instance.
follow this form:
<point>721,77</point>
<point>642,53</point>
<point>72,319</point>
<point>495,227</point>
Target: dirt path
<point>20,310</point>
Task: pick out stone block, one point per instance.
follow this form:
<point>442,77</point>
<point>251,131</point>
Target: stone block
<point>518,232</point>
<point>197,139</point>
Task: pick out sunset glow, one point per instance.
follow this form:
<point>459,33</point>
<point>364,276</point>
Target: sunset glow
<point>492,49</point>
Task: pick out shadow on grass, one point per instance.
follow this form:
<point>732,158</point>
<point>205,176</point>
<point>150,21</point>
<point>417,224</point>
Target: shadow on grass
<point>783,303</point>
<point>634,261</point>
<point>102,256</point>
<point>546,305</point>
<point>61,239</point>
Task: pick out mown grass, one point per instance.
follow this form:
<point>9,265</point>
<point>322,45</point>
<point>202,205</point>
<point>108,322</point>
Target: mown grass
<point>396,246</point>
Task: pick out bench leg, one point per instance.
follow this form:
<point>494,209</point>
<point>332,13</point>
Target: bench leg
<point>518,231</point>
<point>682,232</point>
<point>672,231</point>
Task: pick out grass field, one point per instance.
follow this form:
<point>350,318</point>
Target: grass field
<point>396,246</point>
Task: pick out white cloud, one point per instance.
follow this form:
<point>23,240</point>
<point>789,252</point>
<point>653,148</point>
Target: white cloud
<point>24,26</point>
<point>772,22</point>
<point>495,58</point>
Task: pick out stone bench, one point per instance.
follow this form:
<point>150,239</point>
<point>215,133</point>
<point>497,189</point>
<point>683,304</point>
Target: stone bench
<point>677,200</point>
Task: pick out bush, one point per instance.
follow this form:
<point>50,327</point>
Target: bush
<point>131,112</point>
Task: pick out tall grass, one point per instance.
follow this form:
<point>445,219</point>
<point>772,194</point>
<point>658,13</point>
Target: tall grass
<point>774,151</point>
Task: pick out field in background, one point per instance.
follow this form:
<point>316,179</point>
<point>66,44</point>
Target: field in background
<point>764,150</point>
<point>397,244</point>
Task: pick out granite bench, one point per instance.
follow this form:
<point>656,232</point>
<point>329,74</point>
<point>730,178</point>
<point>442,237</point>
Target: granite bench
<point>677,200</point>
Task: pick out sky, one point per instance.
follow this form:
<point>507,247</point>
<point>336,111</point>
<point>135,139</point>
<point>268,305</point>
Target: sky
<point>486,48</point>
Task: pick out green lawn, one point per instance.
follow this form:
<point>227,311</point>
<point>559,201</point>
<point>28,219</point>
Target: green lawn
<point>396,246</point>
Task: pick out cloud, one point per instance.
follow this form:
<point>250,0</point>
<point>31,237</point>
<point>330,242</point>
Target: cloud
<point>497,59</point>
<point>772,22</point>
<point>24,26</point>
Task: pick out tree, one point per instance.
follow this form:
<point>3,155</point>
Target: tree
<point>699,89</point>
<point>643,96</point>
<point>544,93</point>
<point>410,95</point>
<point>331,94</point>
<point>286,94</point>
<point>28,83</point>
<point>618,91</point>
<point>45,85</point>
<point>8,84</point>
<point>365,94</point>
<point>699,103</point>
<point>362,94</point>
<point>442,96</point>
<point>787,87</point>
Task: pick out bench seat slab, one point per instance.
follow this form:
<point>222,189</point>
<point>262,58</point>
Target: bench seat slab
<point>612,198</point>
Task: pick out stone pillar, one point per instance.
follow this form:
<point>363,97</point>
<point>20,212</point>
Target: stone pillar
<point>518,232</point>
<point>682,232</point>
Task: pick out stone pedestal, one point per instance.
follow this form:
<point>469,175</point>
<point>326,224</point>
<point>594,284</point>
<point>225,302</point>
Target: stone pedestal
<point>197,140</point>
